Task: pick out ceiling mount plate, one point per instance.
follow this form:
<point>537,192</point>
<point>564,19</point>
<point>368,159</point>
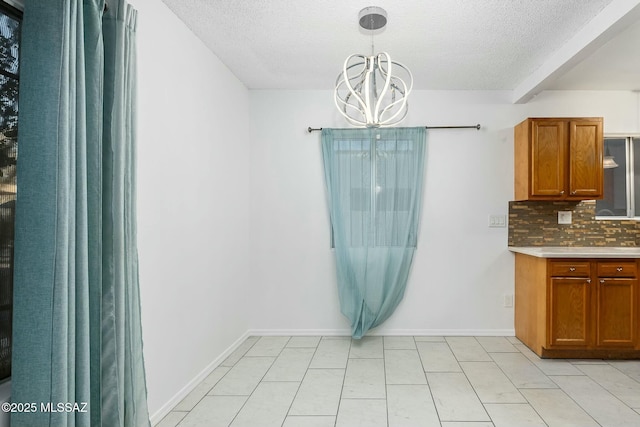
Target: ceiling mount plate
<point>372,18</point>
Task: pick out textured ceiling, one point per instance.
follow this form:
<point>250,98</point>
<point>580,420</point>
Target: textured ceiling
<point>447,44</point>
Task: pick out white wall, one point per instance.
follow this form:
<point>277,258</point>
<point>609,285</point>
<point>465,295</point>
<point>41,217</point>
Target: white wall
<point>222,253</point>
<point>193,203</point>
<point>462,267</point>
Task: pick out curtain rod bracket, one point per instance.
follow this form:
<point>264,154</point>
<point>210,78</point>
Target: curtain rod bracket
<point>476,127</point>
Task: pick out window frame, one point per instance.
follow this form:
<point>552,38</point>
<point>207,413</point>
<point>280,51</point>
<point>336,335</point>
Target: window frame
<point>632,213</point>
<point>16,6</point>
<point>13,9</point>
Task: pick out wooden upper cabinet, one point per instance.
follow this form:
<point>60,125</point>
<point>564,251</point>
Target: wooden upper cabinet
<point>558,159</point>
<point>586,170</point>
<point>548,158</point>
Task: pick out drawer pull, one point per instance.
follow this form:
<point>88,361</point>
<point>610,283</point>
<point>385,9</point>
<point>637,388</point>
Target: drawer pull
<point>619,269</point>
<point>572,269</point>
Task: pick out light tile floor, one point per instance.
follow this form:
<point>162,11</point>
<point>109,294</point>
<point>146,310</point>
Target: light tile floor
<point>408,382</point>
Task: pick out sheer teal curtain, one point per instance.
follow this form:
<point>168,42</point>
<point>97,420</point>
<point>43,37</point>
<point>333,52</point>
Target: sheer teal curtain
<point>77,330</point>
<point>374,183</point>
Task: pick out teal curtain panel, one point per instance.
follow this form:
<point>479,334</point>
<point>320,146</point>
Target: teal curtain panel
<point>76,327</point>
<point>374,181</point>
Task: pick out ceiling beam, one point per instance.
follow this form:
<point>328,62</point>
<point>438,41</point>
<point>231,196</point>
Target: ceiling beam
<point>613,19</point>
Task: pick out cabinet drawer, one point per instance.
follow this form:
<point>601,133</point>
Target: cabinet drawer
<point>570,269</point>
<point>617,269</point>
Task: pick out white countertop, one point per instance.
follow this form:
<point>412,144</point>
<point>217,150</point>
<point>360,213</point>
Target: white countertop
<point>577,252</point>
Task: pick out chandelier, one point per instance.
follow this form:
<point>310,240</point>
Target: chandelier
<point>372,91</point>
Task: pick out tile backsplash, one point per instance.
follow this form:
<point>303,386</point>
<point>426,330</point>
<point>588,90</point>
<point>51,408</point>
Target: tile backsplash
<point>534,223</point>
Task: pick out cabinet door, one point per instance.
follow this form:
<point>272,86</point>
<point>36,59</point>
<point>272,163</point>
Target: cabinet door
<point>569,312</point>
<point>616,312</point>
<point>548,158</point>
<point>585,159</point>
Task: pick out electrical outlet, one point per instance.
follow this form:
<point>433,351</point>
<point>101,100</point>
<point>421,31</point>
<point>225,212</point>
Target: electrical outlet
<point>564,217</point>
<point>508,300</point>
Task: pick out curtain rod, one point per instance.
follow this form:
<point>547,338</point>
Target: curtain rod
<point>477,127</point>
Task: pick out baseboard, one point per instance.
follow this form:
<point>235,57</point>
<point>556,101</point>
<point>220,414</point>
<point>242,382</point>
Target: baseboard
<point>447,332</point>
<point>384,332</point>
<point>177,398</point>
<point>299,332</point>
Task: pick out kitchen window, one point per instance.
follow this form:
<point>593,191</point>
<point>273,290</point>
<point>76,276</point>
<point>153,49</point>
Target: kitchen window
<point>621,179</point>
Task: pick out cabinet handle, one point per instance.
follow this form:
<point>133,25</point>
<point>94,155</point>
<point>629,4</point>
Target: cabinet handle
<point>562,192</point>
<point>619,269</point>
<point>573,193</point>
<point>601,280</point>
<point>588,280</point>
<point>572,269</point>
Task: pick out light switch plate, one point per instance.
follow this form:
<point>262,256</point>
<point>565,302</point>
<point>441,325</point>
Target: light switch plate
<point>564,217</point>
<point>497,221</point>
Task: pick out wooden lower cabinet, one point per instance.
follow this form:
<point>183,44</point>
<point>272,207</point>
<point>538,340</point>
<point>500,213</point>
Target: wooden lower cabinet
<point>615,313</point>
<point>569,311</point>
<point>577,308</point>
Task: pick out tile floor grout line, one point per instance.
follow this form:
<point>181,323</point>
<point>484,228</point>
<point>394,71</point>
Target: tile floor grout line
<point>469,381</point>
<point>315,350</point>
<point>261,378</point>
<point>386,392</point>
<point>219,379</point>
<point>426,378</point>
<point>514,385</point>
<point>599,385</point>
<point>565,393</point>
<point>343,378</point>
<point>608,364</point>
<point>573,400</point>
<point>530,362</point>
<point>622,372</point>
